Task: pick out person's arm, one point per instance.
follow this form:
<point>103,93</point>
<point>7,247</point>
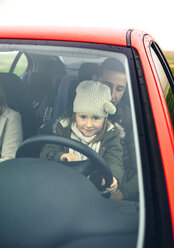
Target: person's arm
<point>13,136</point>
<point>56,153</point>
<point>52,152</point>
<point>129,190</point>
<point>113,157</point>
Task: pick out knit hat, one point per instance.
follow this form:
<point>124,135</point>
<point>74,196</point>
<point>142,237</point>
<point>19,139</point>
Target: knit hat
<point>93,98</point>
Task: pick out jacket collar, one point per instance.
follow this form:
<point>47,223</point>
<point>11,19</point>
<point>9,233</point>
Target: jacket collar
<point>6,111</point>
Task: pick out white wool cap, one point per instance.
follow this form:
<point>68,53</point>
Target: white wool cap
<point>93,98</point>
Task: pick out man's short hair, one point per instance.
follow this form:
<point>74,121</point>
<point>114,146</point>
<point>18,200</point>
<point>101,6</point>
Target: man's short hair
<point>112,64</point>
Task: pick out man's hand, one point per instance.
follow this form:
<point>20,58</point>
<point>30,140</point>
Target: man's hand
<point>117,195</point>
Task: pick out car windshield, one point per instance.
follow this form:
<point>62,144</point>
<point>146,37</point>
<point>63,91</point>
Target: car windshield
<point>83,92</point>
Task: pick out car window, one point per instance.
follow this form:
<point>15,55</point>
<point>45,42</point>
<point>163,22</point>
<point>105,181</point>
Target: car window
<point>21,65</point>
<point>7,59</point>
<point>166,84</point>
<point>60,102</point>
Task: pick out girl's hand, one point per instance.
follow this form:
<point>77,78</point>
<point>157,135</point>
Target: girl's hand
<point>113,187</point>
<point>69,157</point>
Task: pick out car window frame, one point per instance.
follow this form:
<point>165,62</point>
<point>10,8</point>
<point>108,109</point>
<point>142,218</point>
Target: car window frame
<point>157,202</point>
<point>167,72</point>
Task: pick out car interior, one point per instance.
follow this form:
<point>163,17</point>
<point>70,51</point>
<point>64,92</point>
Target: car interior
<point>42,93</point>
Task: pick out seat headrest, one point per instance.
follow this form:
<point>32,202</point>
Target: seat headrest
<point>87,70</point>
<point>52,67</point>
<point>12,85</point>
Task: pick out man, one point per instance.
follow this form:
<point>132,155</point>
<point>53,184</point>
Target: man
<point>112,73</point>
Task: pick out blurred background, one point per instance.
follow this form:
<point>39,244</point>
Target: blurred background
<point>154,17</point>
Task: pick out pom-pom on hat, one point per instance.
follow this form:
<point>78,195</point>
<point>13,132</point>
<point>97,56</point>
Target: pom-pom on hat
<point>93,98</point>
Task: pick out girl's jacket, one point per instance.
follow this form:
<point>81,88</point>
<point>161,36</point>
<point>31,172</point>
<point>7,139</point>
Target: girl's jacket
<point>110,149</point>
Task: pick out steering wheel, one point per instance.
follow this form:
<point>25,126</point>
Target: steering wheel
<point>32,146</point>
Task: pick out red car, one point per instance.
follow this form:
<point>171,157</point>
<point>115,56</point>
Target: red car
<point>48,203</point>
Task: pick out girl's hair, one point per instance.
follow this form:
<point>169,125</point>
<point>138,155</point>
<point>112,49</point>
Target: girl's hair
<point>100,133</point>
<point>3,103</point>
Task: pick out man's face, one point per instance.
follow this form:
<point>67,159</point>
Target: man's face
<point>116,82</point>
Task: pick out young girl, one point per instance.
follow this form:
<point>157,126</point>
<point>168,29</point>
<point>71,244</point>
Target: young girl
<point>11,133</point>
<point>89,125</point>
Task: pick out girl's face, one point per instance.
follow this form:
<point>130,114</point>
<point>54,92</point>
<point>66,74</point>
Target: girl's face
<point>88,124</point>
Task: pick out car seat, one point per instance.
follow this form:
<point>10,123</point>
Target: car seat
<point>63,101</point>
<point>17,99</point>
<point>43,84</point>
<point>47,105</point>
<point>88,71</point>
<point>58,105</point>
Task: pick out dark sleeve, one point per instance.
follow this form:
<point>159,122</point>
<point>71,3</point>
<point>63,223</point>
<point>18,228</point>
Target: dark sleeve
<point>131,150</point>
<point>127,120</point>
<point>52,152</point>
<point>113,157</point>
<point>130,189</point>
